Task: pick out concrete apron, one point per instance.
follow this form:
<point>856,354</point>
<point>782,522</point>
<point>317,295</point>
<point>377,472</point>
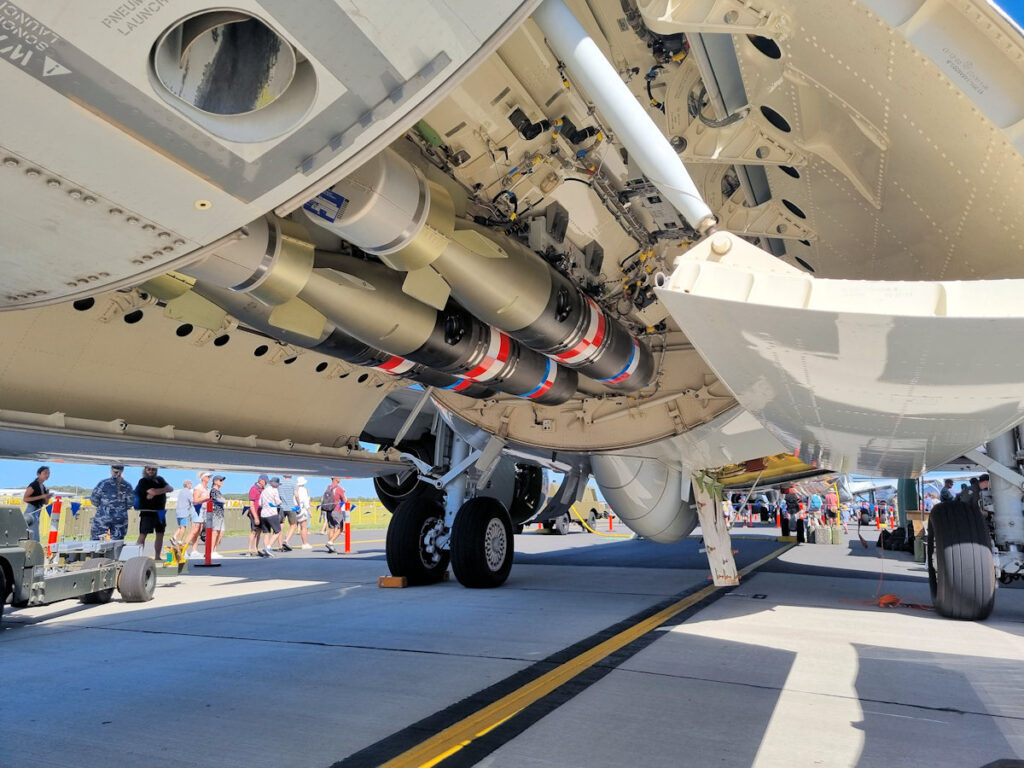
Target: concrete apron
<point>302,660</point>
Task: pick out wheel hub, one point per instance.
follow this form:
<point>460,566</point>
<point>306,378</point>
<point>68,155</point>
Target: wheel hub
<point>430,553</point>
<point>495,544</point>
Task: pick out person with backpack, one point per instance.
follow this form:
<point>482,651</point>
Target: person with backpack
<point>333,505</point>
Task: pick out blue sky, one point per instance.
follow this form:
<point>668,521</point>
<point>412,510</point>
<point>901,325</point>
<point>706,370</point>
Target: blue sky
<point>1014,9</point>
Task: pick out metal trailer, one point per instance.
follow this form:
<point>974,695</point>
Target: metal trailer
<point>88,570</point>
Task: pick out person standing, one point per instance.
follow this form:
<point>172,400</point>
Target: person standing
<point>254,515</point>
<point>215,521</point>
<point>270,504</point>
<point>302,515</point>
<point>36,497</point>
<point>151,491</point>
<point>336,516</point>
<point>831,507</point>
<point>200,495</point>
<point>183,511</point>
<point>946,494</point>
<point>289,508</point>
<point>814,504</point>
<point>112,497</point>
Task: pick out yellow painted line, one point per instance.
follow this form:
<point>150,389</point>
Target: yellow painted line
<point>449,741</point>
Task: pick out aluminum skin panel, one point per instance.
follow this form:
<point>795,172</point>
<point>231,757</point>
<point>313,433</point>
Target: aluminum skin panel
<point>886,378</point>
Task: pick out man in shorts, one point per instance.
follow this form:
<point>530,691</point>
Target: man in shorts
<point>270,519</point>
<point>215,522</point>
<point>255,527</point>
<point>288,510</point>
<point>336,516</point>
<point>152,491</point>
<point>183,511</point>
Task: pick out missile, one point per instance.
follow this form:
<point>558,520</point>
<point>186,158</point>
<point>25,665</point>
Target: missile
<point>366,299</point>
<point>333,342</point>
<point>390,210</point>
<point>274,262</point>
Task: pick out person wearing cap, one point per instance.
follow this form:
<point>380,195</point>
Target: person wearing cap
<point>183,511</point>
<point>254,515</point>
<point>112,497</point>
<point>270,505</point>
<point>215,523</point>
<point>301,515</point>
<point>336,513</point>
<point>151,491</point>
<point>200,495</point>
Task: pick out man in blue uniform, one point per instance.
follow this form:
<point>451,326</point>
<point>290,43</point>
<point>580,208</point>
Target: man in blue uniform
<point>112,498</point>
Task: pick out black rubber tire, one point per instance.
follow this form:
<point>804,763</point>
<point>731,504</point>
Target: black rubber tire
<point>137,581</point>
<point>482,544</point>
<point>392,490</point>
<point>591,526</point>
<point>104,595</point>
<point>3,592</point>
<point>412,520</point>
<point>961,572</point>
<point>517,529</point>
<point>561,525</point>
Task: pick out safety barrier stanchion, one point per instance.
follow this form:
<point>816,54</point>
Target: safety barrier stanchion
<point>207,560</point>
<point>611,521</point>
<point>54,525</point>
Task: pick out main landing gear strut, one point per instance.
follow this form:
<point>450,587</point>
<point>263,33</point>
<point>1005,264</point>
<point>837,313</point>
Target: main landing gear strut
<point>471,532</point>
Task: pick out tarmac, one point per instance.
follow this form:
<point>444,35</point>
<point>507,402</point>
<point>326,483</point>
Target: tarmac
<point>598,651</point>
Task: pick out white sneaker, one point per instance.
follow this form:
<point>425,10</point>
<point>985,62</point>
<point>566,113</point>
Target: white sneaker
<point>194,555</point>
<point>216,556</point>
<point>307,546</point>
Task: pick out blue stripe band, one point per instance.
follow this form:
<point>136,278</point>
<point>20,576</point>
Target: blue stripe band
<point>632,354</point>
<point>543,381</point>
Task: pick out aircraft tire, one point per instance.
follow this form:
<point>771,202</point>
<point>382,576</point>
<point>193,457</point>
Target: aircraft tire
<point>392,490</point>
<point>137,581</point>
<point>561,525</point>
<point>591,526</point>
<point>961,572</point>
<point>482,544</point>
<point>517,529</point>
<point>3,590</point>
<point>413,521</point>
<point>104,595</point>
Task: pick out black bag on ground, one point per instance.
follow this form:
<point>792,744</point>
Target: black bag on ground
<point>883,539</point>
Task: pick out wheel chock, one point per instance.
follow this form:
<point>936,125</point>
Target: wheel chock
<point>392,582</point>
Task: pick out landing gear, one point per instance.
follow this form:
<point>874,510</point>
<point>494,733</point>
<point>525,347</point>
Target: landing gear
<point>482,544</point>
<point>412,545</point>
<point>392,490</point>
<point>961,572</point>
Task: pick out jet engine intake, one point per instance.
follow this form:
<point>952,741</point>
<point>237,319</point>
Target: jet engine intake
<point>648,495</point>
